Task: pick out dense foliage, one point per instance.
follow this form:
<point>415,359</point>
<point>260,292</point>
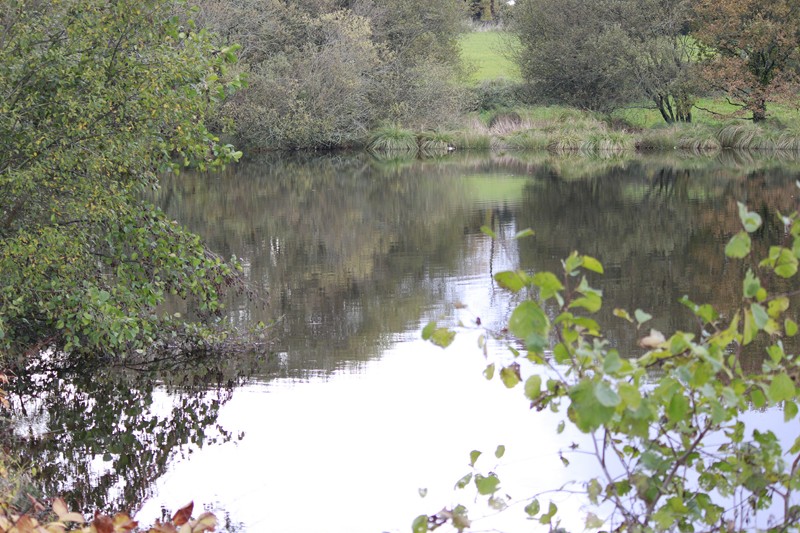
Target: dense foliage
<point>752,52</point>
<point>670,430</point>
<point>96,98</point>
<point>322,73</point>
<point>613,53</point>
<point>604,55</point>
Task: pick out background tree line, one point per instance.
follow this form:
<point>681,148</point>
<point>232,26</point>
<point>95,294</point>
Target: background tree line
<point>612,53</point>
<point>322,73</point>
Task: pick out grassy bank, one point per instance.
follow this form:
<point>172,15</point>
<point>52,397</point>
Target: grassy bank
<point>502,123</point>
<point>562,130</point>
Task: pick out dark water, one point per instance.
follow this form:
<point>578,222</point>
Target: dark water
<point>351,413</point>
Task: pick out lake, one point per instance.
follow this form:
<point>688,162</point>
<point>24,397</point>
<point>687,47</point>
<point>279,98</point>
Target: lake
<point>353,423</point>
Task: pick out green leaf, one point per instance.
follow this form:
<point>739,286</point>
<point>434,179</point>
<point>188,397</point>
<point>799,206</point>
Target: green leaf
<point>760,316</point>
<point>590,263</point>
<point>789,410</point>
<point>549,285</point>
<point>428,330</point>
<point>500,451</point>
<point>739,245</point>
<point>750,220</point>
<point>785,264</point>
<point>533,387</point>
<point>678,407</point>
<point>781,388</point>
<point>621,313</point>
<point>592,299</point>
<point>630,395</point>
<point>777,306</point>
<point>561,353</point>
<point>486,230</point>
<point>509,375</point>
<point>641,316</point>
<point>464,481</point>
<point>750,328</point>
<point>533,508</point>
<point>473,456</point>
<point>420,524</point>
<point>588,412</point>
<point>612,363</point>
<point>513,281</point>
<point>591,302</point>
<point>487,484</point>
<point>530,323</point>
<point>488,372</point>
<point>443,337</point>
<point>593,521</point>
<point>528,232</point>
<point>548,517</point>
<point>791,327</point>
<point>758,398</point>
<point>606,395</point>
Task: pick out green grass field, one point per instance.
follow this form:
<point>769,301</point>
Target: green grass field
<point>483,51</point>
<point>715,112</point>
<point>559,129</point>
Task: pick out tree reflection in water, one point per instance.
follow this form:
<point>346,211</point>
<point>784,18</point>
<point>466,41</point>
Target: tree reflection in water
<point>101,437</point>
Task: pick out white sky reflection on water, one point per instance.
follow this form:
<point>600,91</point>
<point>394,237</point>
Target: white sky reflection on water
<point>349,452</point>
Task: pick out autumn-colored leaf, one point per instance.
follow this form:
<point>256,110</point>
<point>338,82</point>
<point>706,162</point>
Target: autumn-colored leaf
<point>123,522</point>
<point>55,527</point>
<point>183,514</point>
<point>60,507</point>
<point>205,522</point>
<point>26,524</point>
<point>103,523</point>
<point>158,527</point>
<point>656,338</point>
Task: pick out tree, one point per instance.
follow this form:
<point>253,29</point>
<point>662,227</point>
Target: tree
<point>604,55</point>
<point>97,98</point>
<point>751,49</point>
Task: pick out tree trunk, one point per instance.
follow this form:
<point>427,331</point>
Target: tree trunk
<point>759,111</point>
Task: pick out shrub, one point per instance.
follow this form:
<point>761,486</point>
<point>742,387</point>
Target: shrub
<point>497,94</point>
<point>666,428</point>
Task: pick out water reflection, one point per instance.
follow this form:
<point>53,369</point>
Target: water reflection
<point>101,437</point>
<point>352,413</point>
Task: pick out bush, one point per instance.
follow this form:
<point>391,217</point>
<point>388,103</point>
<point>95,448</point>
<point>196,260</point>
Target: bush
<point>495,94</point>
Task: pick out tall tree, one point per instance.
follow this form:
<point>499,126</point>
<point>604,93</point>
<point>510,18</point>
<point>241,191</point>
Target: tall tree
<point>97,98</point>
<point>751,49</point>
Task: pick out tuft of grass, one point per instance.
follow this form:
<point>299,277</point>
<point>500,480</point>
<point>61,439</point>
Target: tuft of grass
<point>472,140</point>
<point>530,140</point>
<point>433,142</point>
<point>693,138</point>
<point>748,136</point>
<point>393,138</point>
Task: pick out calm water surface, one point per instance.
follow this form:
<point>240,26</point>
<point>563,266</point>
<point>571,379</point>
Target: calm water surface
<point>352,414</point>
